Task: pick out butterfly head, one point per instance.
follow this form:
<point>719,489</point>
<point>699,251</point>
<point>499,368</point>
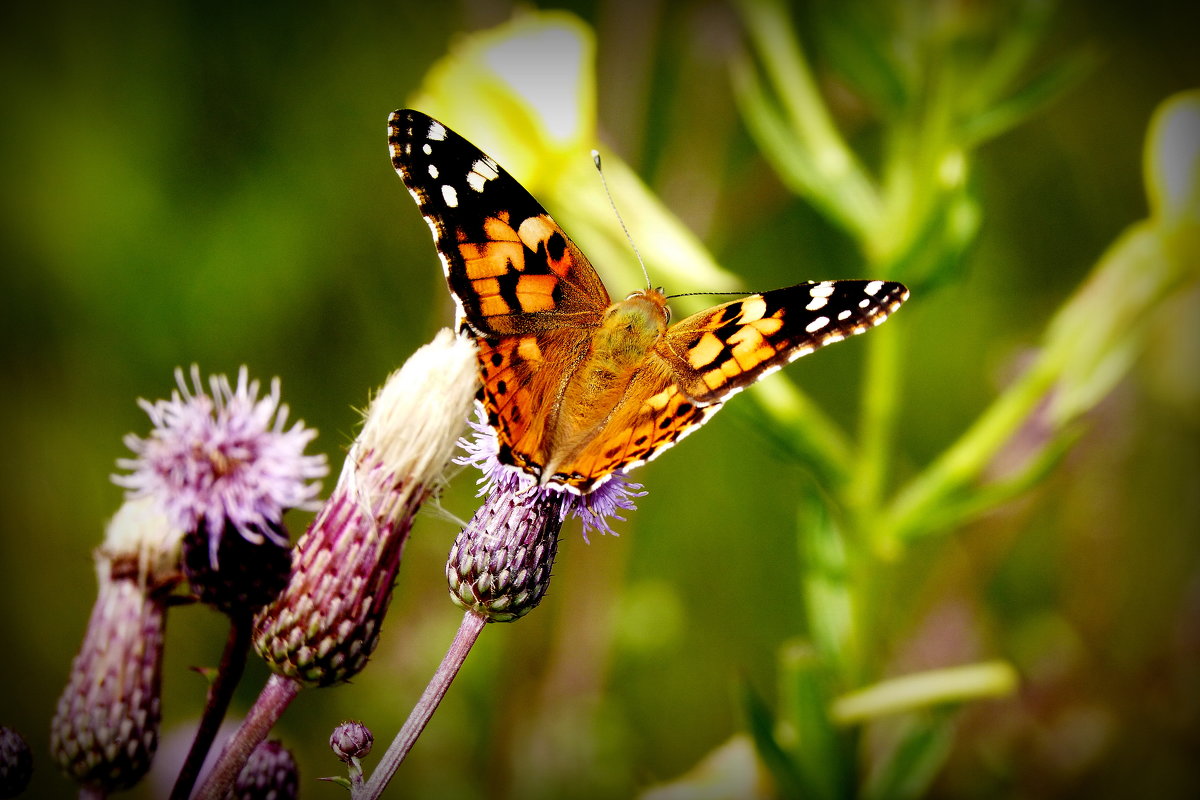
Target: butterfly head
<point>635,324</point>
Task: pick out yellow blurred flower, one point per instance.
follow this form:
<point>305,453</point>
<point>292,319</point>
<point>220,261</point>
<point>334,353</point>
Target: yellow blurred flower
<point>524,92</point>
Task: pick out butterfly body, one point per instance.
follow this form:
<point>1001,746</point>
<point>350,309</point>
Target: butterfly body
<point>578,387</point>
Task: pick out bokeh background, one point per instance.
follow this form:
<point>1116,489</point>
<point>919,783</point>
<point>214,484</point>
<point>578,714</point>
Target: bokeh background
<point>209,183</point>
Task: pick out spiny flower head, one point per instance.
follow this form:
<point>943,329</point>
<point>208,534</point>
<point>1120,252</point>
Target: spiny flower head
<point>223,460</point>
<point>594,509</point>
<point>270,772</point>
<point>105,729</point>
<point>323,626</point>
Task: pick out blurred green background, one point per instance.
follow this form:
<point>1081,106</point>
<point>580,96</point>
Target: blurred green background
<point>209,183</point>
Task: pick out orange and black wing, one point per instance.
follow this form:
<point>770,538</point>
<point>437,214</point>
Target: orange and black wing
<point>510,267</point>
<point>724,349</point>
<point>710,356</point>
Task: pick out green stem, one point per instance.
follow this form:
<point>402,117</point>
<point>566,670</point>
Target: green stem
<point>846,185</point>
<point>966,458</point>
<point>468,631</point>
<point>880,390</point>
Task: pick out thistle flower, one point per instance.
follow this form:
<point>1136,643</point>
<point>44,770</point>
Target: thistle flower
<point>270,772</point>
<point>325,624</point>
<point>594,509</point>
<point>105,730</point>
<point>224,462</point>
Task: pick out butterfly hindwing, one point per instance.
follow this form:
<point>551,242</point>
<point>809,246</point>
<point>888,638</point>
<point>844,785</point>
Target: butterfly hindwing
<point>653,415</point>
<point>510,267</point>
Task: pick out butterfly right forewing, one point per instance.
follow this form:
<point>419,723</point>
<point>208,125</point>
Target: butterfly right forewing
<point>720,351</point>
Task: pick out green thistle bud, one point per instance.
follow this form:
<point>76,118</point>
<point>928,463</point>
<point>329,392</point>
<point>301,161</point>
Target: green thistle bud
<point>105,730</point>
<point>499,566</point>
<point>323,627</point>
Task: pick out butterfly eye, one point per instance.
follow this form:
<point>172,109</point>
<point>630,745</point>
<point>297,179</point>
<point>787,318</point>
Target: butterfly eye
<point>666,314</point>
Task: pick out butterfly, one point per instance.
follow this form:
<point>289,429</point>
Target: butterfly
<point>575,386</point>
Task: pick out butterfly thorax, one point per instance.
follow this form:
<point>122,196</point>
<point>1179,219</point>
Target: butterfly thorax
<point>629,331</point>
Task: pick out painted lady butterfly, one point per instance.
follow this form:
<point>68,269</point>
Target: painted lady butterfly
<point>578,387</point>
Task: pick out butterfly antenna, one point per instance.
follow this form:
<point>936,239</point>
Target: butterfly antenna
<point>611,202</point>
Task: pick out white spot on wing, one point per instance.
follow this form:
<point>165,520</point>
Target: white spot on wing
<point>873,287</point>
<point>817,324</point>
<point>476,181</point>
<point>426,149</point>
<point>817,303</point>
<point>864,303</point>
<point>433,171</point>
<point>822,289</point>
<point>486,169</point>
<point>436,131</point>
<point>844,314</point>
<point>450,196</point>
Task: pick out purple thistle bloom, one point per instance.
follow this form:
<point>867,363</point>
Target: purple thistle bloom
<point>607,500</point>
<point>224,459</point>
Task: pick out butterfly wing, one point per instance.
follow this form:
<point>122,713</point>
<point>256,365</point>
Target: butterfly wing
<point>721,351</point>
<point>511,269</point>
<point>708,357</point>
<point>522,288</point>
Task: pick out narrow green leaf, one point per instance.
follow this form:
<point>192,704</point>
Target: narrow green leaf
<point>821,751</point>
<point>1037,94</point>
<point>829,601</point>
<point>925,690</point>
<point>761,726</point>
<point>851,41</point>
<point>1021,35</point>
<point>916,760</point>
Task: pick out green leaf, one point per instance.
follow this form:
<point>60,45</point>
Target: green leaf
<point>923,690</point>
<point>914,762</point>
<point>761,726</point>
<point>829,600</point>
<point>821,751</point>
<point>1038,93</point>
<point>1021,35</point>
<point>849,36</point>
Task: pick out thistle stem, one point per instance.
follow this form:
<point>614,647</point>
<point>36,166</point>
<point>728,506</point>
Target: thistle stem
<point>270,705</point>
<point>468,632</point>
<point>229,673</point>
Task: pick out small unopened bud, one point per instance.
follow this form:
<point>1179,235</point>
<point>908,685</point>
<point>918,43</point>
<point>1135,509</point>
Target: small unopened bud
<point>270,772</point>
<point>351,740</point>
<point>105,730</point>
<point>245,576</point>
<point>16,763</point>
<point>499,566</point>
<point>323,627</point>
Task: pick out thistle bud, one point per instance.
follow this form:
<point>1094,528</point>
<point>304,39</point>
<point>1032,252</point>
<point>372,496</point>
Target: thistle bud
<point>105,730</point>
<point>270,772</point>
<point>324,625</point>
<point>351,740</point>
<point>499,566</point>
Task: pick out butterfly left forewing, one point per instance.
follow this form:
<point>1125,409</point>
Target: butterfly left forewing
<point>510,267</point>
<point>724,349</point>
